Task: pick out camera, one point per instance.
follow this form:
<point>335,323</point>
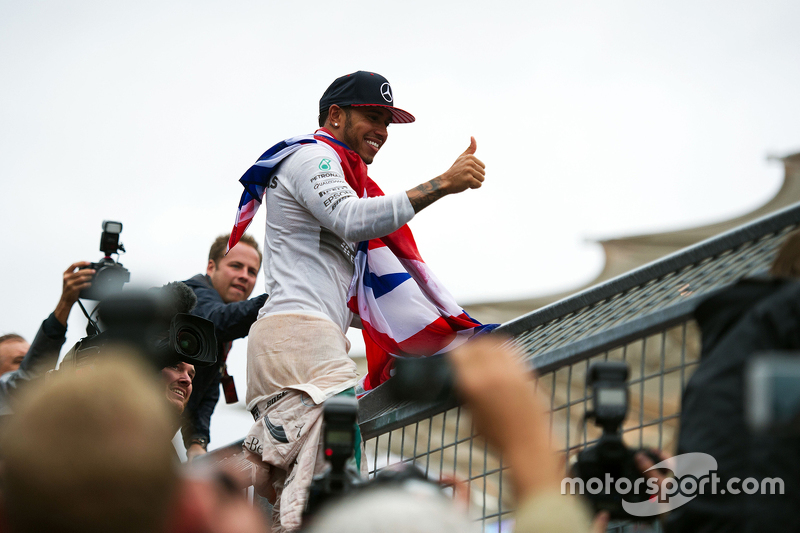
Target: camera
<point>422,379</point>
<point>609,456</point>
<point>147,322</point>
<point>156,323</point>
<point>110,275</point>
<point>340,416</point>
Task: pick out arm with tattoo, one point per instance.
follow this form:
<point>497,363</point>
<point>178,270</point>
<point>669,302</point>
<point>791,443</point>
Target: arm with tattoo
<point>425,194</point>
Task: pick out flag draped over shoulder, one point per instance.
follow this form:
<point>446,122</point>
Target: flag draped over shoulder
<point>256,180</point>
<point>404,309</point>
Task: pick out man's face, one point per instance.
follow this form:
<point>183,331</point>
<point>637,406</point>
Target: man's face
<point>11,354</point>
<point>234,276</point>
<point>365,130</point>
<point>178,384</point>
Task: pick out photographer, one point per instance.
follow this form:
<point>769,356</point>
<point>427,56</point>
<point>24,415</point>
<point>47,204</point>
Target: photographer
<point>754,315</point>
<point>222,297</point>
<point>21,362</point>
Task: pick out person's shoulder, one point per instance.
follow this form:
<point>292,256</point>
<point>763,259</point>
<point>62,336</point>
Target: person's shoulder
<point>198,281</point>
<point>312,157</point>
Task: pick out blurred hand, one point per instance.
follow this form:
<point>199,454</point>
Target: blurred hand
<point>194,450</point>
<point>498,389</point>
<point>600,522</point>
<point>644,462</point>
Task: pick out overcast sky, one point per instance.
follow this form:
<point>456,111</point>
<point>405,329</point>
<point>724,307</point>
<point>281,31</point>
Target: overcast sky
<point>594,120</point>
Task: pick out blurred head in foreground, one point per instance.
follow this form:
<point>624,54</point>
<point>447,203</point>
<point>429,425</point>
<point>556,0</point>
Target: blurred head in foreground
<point>212,500</point>
<point>89,452</point>
<point>393,509</point>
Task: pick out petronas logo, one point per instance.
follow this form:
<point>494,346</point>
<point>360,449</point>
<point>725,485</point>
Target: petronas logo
<point>325,164</point>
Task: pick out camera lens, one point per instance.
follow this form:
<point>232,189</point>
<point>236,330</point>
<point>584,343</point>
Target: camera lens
<point>188,342</point>
<point>191,339</point>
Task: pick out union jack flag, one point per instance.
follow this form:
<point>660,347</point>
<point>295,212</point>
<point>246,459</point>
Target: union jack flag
<point>256,180</point>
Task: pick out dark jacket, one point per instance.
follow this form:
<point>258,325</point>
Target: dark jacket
<point>232,321</point>
<point>750,317</point>
<point>41,357</point>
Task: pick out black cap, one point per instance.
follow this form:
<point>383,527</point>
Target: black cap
<point>363,89</point>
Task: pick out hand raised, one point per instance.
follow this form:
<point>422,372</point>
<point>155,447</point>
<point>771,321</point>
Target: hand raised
<point>467,172</point>
<point>76,278</point>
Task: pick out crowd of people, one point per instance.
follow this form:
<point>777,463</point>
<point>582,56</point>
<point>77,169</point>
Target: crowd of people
<point>91,450</point>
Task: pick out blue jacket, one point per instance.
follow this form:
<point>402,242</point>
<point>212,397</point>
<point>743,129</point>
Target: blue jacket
<point>41,357</point>
<point>232,321</point>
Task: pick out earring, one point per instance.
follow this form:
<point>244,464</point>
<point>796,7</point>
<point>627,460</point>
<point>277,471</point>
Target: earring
<point>336,124</point>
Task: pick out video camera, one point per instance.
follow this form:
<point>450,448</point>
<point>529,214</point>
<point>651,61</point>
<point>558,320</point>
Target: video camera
<point>610,456</point>
<point>422,379</point>
<point>147,322</point>
<point>156,323</point>
<point>340,415</point>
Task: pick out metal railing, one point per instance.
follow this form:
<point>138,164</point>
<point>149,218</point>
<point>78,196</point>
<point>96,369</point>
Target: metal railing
<point>643,318</point>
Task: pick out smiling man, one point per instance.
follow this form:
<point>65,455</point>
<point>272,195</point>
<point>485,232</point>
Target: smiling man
<point>178,384</point>
<point>222,297</point>
<point>320,204</point>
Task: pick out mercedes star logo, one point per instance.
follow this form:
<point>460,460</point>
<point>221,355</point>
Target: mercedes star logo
<point>386,92</point>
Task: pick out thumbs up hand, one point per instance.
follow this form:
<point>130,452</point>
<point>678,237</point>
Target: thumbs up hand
<point>468,172</point>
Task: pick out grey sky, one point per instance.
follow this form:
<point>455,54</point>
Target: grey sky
<point>594,120</point>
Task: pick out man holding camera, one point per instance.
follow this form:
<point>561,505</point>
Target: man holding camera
<point>21,362</point>
<point>222,297</point>
<point>320,204</point>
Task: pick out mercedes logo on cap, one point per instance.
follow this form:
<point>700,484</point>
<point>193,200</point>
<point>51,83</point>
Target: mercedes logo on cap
<point>386,92</point>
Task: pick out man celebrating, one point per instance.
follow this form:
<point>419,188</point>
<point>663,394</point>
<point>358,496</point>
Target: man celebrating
<point>221,298</point>
<point>320,205</point>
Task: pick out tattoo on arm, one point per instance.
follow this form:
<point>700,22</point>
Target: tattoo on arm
<point>425,194</point>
